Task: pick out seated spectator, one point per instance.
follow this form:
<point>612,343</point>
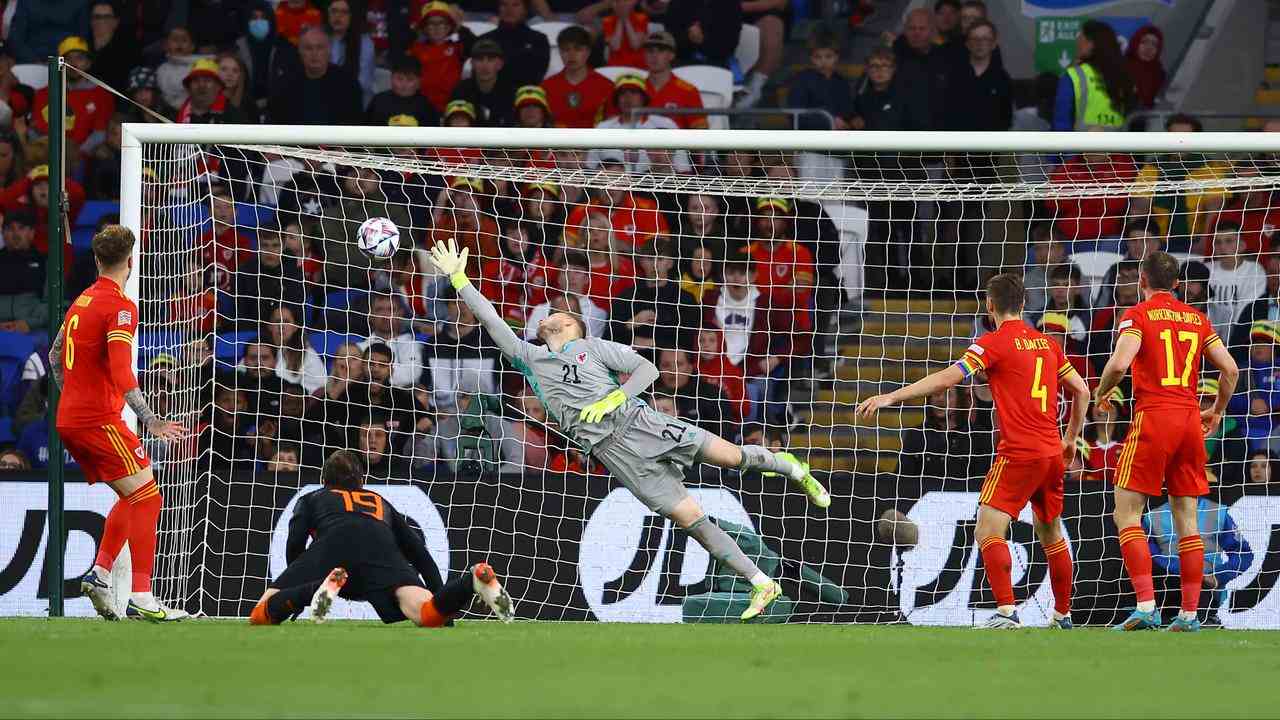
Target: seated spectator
<point>32,193</point>
<point>13,91</point>
<point>22,305</point>
<point>517,279</point>
<point>543,214</point>
<point>1064,297</point>
<point>612,272</point>
<point>1057,326</point>
<point>286,458</point>
<point>732,307</point>
<point>222,244</point>
<point>527,51</point>
<point>664,88</point>
<point>1112,305</point>
<point>979,90</point>
<point>235,86</point>
<point>322,93</point>
<point>698,278</point>
<point>655,305</point>
<point>921,68</point>
<point>464,213</point>
<point>395,404</point>
<point>1234,280</point>
<point>624,31</point>
<point>946,446</point>
<point>784,273</point>
<point>114,52</point>
<point>426,445</point>
<point>822,86</point>
<point>224,436</point>
<point>1260,469</point>
<point>267,279</point>
<point>374,445</point>
<point>491,96</point>
<point>697,401</point>
<point>296,361</point>
<point>532,434</point>
<point>179,56</point>
<point>1254,210</point>
<point>462,359</point>
<point>13,166</point>
<point>87,105</point>
<point>882,104</point>
<point>295,16</point>
<point>532,108</point>
<point>1046,252</point>
<point>1142,58</point>
<point>1183,216</point>
<point>634,217</point>
<point>345,265</point>
<point>1193,285</point>
<point>577,94</point>
<point>256,376</point>
<point>342,401</point>
<point>703,225</point>
<point>403,98</point>
<point>268,57</point>
<point>705,31</point>
<point>1085,220</point>
<point>631,92</point>
<point>14,460</point>
<point>351,47</point>
<point>1141,238</point>
<point>573,279</point>
<point>102,181</point>
<point>1102,441</point>
<point>717,369</point>
<point>387,326</point>
<point>298,248</point>
<point>206,103</point>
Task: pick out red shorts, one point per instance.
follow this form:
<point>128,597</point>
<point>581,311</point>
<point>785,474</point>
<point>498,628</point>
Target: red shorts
<point>107,452</point>
<point>1164,448</point>
<point>1011,483</point>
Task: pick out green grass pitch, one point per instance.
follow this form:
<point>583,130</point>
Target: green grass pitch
<point>90,668</point>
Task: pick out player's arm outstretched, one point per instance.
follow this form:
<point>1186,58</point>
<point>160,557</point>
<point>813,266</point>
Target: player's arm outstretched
<point>937,382</point>
<point>622,359</point>
<point>451,262</point>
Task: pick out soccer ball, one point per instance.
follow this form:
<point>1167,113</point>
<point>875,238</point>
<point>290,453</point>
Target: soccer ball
<point>378,238</point>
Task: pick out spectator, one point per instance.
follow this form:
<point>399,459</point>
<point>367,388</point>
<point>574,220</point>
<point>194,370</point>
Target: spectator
<point>821,86</point>
<point>1234,280</point>
<point>403,98</point>
<point>343,400</point>
<point>13,92</point>
<point>946,22</point>
<point>715,368</point>
<point>1142,60</point>
<point>881,104</point>
<point>270,58</point>
<point>392,402</point>
<point>296,361</point>
<point>388,326</point>
<point>697,401</point>
<point>773,19</point>
<point>921,68</point>
<point>293,17</point>
<point>32,193</point>
<point>350,48</point>
<point>1260,375</point>
<point>22,307</point>
<point>1260,469</point>
<point>235,86</point>
<point>1103,438</point>
<point>698,278</point>
<point>1096,92</point>
<point>1057,327</point>
<point>285,459</point>
<point>179,56</point>
<point>1112,303</point>
<point>703,225</point>
<point>442,49</point>
<point>574,280</point>
<point>655,306</point>
<point>631,92</point>
<point>268,279</point>
<point>206,103</point>
<point>1193,286</point>
<point>527,51</point>
<point>322,94</point>
<point>374,444</point>
<point>532,433</point>
<point>1140,240</point>
<point>1047,251</point>
<point>37,26</point>
<point>345,265</point>
<point>144,91</point>
<point>532,109</point>
<point>516,280</point>
<point>103,176</point>
<point>492,98</point>
<point>459,216</point>
<point>544,215</point>
<point>705,31</point>
<point>979,91</point>
<point>733,307</point>
<point>664,88</point>
<point>577,94</point>
<point>1063,296</point>
<point>193,301</point>
<point>635,218</point>
<point>1082,220</point>
<point>14,460</point>
<point>624,32</point>
<point>1182,216</point>
<point>1255,210</point>
<point>1265,309</point>
<point>946,446</point>
<point>222,244</point>
<point>462,359</point>
<point>297,246</point>
<point>87,105</point>
<point>114,53</point>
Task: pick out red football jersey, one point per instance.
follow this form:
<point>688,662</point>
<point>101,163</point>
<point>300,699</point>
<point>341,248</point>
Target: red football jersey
<point>1023,368</point>
<point>626,55</point>
<point>97,356</point>
<point>1174,336</point>
<point>581,105</point>
<point>678,94</point>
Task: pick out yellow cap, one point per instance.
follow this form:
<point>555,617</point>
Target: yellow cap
<point>402,120</point>
<point>202,68</point>
<point>73,43</point>
<point>532,95</point>
<point>782,205</point>
<point>437,8</point>
<point>38,173</point>
<point>1264,331</point>
<point>460,106</point>
<point>1055,322</point>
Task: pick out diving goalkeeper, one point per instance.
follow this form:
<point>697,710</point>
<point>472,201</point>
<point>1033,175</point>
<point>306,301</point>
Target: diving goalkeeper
<point>575,377</point>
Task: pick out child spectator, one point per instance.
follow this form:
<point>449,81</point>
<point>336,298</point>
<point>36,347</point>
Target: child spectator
<point>1260,376</point>
<point>821,86</point>
<point>1260,423</point>
<point>631,92</point>
<point>979,89</point>
<point>698,277</point>
<point>1084,220</point>
<point>268,278</point>
<point>404,97</point>
<point>1234,280</point>
<point>488,92</point>
<point>89,106</point>
<point>532,108</point>
<point>294,16</point>
<point>664,88</point>
<point>880,105</point>
<point>1064,297</point>
<point>732,307</point>
<point>442,48</point>
<point>624,31</point>
<point>577,95</point>
<point>1103,441</point>
<point>179,56</point>
<point>714,367</point>
<point>1047,252</point>
<point>222,244</point>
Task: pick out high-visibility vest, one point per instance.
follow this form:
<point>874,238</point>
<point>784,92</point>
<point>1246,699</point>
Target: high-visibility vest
<point>1094,108</point>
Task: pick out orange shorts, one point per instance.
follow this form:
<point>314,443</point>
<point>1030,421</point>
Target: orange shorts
<point>1164,448</point>
<point>1011,483</point>
<point>107,452</point>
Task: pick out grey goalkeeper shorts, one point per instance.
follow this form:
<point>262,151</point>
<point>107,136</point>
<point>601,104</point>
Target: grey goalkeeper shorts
<point>649,455</point>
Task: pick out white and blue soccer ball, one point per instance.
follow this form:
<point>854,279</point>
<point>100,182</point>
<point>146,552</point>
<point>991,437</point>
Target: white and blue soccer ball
<point>378,238</point>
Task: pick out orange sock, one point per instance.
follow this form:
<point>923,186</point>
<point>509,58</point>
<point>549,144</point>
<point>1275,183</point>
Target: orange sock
<point>430,615</point>
<point>1059,561</point>
<point>259,615</point>
<point>1191,567</point>
<point>1137,561</point>
<point>144,511</point>
<point>999,565</point>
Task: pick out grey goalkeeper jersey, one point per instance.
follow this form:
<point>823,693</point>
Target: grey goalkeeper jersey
<point>583,372</point>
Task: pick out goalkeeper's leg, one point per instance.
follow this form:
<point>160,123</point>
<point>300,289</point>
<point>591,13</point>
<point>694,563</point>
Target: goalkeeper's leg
<point>717,542</point>
<point>720,452</point>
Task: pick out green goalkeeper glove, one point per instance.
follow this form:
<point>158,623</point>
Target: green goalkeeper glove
<point>449,261</point>
<point>596,411</point>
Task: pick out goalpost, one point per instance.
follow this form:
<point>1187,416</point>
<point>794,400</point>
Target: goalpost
<point>839,286</point>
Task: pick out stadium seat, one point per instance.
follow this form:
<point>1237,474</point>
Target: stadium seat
<point>554,64</point>
<point>93,211</point>
<point>715,84</point>
<point>34,74</point>
<point>1094,265</point>
<point>479,27</point>
<point>229,346</point>
<point>343,299</point>
<point>748,50</point>
<point>15,348</point>
<point>154,342</point>
<point>613,72</point>
<point>6,431</point>
<point>326,343</point>
<point>381,80</point>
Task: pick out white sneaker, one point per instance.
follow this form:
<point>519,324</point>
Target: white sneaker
<point>97,587</point>
<point>328,591</point>
<point>1001,622</point>
<point>484,581</point>
<point>145,606</point>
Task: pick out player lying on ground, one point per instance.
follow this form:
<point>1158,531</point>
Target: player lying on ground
<point>362,548</point>
<point>1163,339</point>
<point>92,362</point>
<point>575,378</point>
<point>1024,369</point>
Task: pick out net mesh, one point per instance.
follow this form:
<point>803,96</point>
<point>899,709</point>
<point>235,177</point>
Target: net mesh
<point>773,290</point>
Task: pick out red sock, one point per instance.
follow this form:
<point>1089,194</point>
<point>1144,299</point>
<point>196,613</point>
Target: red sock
<point>1137,561</point>
<point>1191,562</point>
<point>114,533</point>
<point>1060,575</point>
<point>144,504</point>
<point>995,558</point>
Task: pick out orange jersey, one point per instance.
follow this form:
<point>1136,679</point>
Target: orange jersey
<point>579,105</point>
<point>441,69</point>
<point>1023,368</point>
<point>678,94</point>
<point>97,356</point>
<point>1174,336</point>
<point>626,55</point>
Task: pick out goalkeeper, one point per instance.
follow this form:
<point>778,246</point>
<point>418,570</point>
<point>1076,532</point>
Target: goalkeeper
<point>576,378</point>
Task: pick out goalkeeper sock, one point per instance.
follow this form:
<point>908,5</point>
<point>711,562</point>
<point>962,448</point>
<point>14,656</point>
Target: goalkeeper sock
<point>757,457</point>
<point>1191,566</point>
<point>1137,562</point>
<point>1059,561</point>
<point>455,595</point>
<point>722,547</point>
<point>999,565</point>
<point>144,510</point>
<point>114,533</point>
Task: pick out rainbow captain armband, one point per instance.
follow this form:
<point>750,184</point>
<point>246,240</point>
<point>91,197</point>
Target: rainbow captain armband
<point>971,361</point>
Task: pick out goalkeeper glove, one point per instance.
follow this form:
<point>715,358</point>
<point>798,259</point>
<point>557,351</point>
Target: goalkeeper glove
<point>596,411</point>
<point>449,261</point>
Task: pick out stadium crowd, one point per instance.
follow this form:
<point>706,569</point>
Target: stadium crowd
<point>304,337</point>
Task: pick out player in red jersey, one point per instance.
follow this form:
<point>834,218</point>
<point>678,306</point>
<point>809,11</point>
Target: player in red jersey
<point>1164,339</point>
<point>92,361</point>
<point>1024,369</point>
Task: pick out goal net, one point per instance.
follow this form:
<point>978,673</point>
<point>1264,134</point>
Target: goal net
<point>774,287</point>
